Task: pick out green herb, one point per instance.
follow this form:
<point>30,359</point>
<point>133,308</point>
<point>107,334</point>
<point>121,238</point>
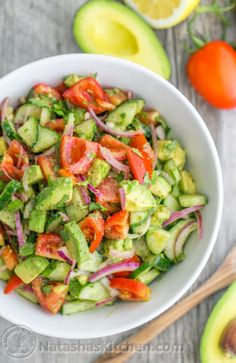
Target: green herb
<point>46,289</point>
<point>75,288</point>
<point>96,206</point>
<point>60,109</point>
<point>15,205</point>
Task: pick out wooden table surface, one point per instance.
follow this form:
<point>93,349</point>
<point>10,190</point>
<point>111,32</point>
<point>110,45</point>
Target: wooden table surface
<point>30,30</point>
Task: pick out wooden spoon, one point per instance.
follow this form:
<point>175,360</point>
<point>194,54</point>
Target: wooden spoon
<point>224,276</point>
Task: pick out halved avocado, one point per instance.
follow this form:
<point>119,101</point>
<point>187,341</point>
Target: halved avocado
<point>223,312</point>
<point>108,27</point>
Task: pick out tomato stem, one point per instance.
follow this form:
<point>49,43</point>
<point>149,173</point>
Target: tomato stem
<point>215,8</point>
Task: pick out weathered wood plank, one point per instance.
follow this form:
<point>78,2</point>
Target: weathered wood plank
<point>30,30</point>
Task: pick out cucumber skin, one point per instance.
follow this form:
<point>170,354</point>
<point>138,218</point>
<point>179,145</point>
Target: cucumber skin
<point>77,306</point>
<point>9,190</point>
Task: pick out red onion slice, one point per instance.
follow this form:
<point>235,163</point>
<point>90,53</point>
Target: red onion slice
<point>121,254</point>
<point>199,224</point>
<point>95,191</point>
<point>154,145</point>
<point>181,214</point>
<point>112,161</point>
<point>111,131</point>
<point>68,276</point>
<point>50,151</point>
<point>117,267</point>
<point>122,198</point>
<point>3,108</point>
<point>85,195</point>
<point>19,230</point>
<point>181,238</point>
<point>64,217</point>
<point>99,304</point>
<point>28,288</point>
<point>64,253</point>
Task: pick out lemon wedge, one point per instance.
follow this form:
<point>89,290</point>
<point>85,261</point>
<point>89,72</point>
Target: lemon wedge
<point>163,13</point>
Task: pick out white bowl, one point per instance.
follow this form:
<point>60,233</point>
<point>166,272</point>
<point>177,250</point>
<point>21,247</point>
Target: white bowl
<point>203,160</point>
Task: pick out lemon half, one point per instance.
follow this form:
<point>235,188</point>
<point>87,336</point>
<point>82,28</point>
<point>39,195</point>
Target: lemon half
<point>163,13</point>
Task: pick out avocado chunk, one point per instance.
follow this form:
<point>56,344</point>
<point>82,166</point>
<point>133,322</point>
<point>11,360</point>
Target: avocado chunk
<point>3,146</point>
<point>98,172</point>
<point>56,195</point>
<point>179,157</point>
<point>76,243</point>
<point>86,130</point>
<point>77,210</point>
<point>186,184</point>
<point>33,174</point>
<point>123,115</point>
<point>37,221</point>
<point>94,292</point>
<point>222,314</point>
<point>56,270</point>
<point>159,186</point>
<point>8,217</point>
<point>161,214</point>
<point>71,79</point>
<point>30,268</point>
<point>5,274</point>
<point>138,197</point>
<point>121,33</point>
<point>156,239</point>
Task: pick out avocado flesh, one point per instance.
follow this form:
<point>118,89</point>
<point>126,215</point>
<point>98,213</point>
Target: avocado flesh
<point>223,312</point>
<point>108,27</point>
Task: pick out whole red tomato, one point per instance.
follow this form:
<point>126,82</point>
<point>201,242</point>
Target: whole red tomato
<point>212,72</point>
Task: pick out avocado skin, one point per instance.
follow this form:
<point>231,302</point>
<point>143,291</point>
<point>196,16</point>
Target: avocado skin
<point>222,313</point>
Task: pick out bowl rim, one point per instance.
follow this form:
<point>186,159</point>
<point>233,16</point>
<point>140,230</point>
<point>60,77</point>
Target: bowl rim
<point>148,317</point>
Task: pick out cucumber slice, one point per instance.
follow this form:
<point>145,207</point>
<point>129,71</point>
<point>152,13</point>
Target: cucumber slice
<point>58,273</point>
<point>190,200</point>
<point>149,276</point>
<point>77,306</point>
<point>140,270</point>
<point>46,139</point>
<point>45,116</point>
<point>27,295</point>
<point>26,111</point>
<point>29,132</point>
<point>156,239</point>
<point>142,250</point>
<point>179,234</point>
<point>123,115</point>
<point>93,291</point>
<point>161,263</point>
<point>137,218</point>
<point>171,203</point>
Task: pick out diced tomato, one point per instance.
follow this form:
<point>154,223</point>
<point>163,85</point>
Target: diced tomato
<point>1,235</point>
<point>67,174</point>
<point>46,165</point>
<point>140,143</point>
<point>9,257</point>
<point>76,154</point>
<point>87,93</point>
<point>57,125</point>
<point>14,161</point>
<point>47,245</point>
<point>61,88</point>
<point>51,295</point>
<point>13,284</point>
<point>127,273</point>
<point>117,225</point>
<point>93,229</point>
<point>131,290</point>
<point>110,198</point>
<point>44,89</point>
<point>118,148</point>
<point>137,166</point>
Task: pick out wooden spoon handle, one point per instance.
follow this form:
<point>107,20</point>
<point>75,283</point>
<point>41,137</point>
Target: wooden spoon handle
<point>127,348</point>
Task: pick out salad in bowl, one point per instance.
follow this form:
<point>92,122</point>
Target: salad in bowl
<point>96,202</point>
